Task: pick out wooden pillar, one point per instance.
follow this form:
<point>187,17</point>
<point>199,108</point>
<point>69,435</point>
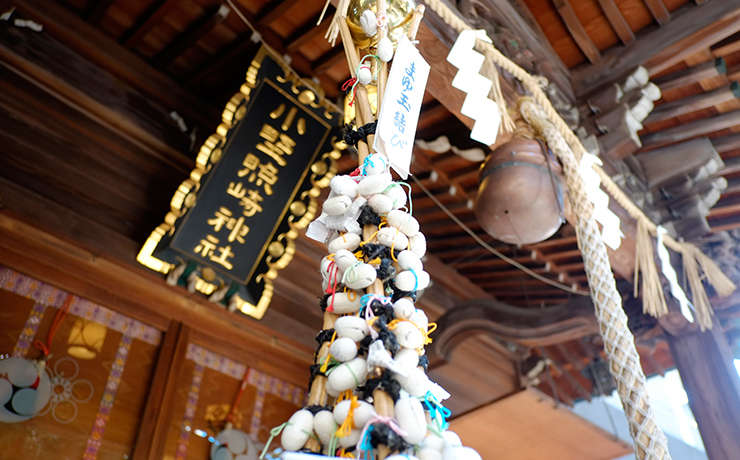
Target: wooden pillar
<point>705,363</point>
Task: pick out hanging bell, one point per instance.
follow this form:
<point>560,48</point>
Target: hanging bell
<point>520,197</point>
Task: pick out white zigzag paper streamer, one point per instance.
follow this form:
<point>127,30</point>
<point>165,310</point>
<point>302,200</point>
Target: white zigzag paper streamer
<point>670,275</point>
<point>610,232</point>
<point>477,105</point>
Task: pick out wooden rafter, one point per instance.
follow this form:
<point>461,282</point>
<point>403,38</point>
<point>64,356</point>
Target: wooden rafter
<point>274,10</point>
<point>147,22</point>
<point>659,11</point>
<point>195,32</point>
<point>694,103</point>
<point>331,58</point>
<point>577,31</point>
<point>690,130</point>
<point>97,11</point>
<point>664,46</point>
<point>691,75</point>
<point>617,21</point>
<point>309,31</point>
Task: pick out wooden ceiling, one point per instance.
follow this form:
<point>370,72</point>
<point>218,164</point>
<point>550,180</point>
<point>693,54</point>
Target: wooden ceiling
<point>92,151</point>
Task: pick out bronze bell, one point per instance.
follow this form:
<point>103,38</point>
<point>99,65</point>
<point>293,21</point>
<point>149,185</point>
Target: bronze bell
<point>520,197</point>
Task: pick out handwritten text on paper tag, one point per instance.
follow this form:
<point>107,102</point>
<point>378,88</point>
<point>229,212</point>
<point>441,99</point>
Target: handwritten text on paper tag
<point>399,112</point>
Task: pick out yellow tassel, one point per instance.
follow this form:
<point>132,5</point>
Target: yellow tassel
<point>653,299</point>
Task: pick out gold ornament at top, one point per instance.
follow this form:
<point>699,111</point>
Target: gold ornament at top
<point>399,14</point>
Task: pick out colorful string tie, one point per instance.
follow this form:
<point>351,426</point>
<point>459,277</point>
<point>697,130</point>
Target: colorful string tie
<point>273,433</point>
<point>324,367</point>
<point>381,19</point>
<point>350,275</point>
<point>351,84</point>
<point>331,287</point>
<point>366,301</point>
<point>346,428</point>
<point>364,444</point>
<point>438,412</point>
<point>402,185</point>
<point>370,162</point>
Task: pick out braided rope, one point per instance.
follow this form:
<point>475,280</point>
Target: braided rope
<point>619,343</point>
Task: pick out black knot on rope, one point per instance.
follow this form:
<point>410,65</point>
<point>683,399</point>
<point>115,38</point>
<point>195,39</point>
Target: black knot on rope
<point>323,336</point>
<point>324,302</point>
<point>384,383</point>
<point>398,294</point>
<point>315,371</point>
<point>373,251</point>
<point>424,362</point>
<point>368,216</point>
<point>386,270</point>
<point>382,434</point>
<point>353,136</point>
<point>315,409</point>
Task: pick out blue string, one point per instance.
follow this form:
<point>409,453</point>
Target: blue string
<point>438,412</point>
<point>382,299</point>
<point>369,161</point>
<point>366,446</point>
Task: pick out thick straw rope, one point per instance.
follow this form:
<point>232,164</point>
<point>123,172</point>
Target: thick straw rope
<point>619,343</point>
<point>723,285</point>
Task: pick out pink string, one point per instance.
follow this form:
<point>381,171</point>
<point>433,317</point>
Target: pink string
<point>385,420</point>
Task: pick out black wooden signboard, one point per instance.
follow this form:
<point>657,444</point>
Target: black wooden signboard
<point>232,223</point>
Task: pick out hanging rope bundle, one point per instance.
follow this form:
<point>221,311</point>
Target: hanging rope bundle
<point>619,343</point>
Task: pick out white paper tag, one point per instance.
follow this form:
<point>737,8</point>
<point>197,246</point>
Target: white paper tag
<point>399,112</point>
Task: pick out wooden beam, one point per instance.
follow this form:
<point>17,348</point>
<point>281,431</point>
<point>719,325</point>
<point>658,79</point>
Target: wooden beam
<point>516,17</point>
<point>693,129</point>
<point>331,58</point>
<point>274,10</point>
<point>153,422</point>
<point>190,37</point>
<point>238,48</point>
<point>659,11</point>
<point>97,11</point>
<point>146,22</point>
<point>693,103</point>
<point>691,75</point>
<point>726,144</point>
<point>615,18</point>
<point>665,45</point>
<point>727,46</point>
<point>711,381</point>
<point>577,31</point>
<point>108,54</point>
<point>309,31</point>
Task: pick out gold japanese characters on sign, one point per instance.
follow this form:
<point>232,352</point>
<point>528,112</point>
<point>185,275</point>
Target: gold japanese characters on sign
<point>232,223</point>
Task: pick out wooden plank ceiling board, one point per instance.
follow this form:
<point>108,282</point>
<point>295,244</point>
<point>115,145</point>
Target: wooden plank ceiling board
<point>529,425</point>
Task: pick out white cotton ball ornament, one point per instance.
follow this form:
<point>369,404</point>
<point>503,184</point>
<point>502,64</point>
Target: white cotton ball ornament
<point>343,349</point>
<point>411,419</point>
<point>297,431</point>
<point>385,49</point>
<point>344,259</point>
<point>434,442</point>
<point>403,221</point>
<point>420,319</point>
<point>349,375</point>
<point>370,185</point>
<point>381,203</point>
<point>348,241</point>
<point>346,302</point>
<point>369,23</point>
<point>338,205</point>
<point>451,438</point>
<point>324,425</point>
<point>393,238</point>
<point>418,244</point>
<point>428,453</point>
<point>403,308</point>
<point>364,75</point>
<point>406,358</point>
<point>362,413</point>
<point>398,195</point>
<point>344,185</point>
<point>351,327</point>
<point>409,260</point>
<point>374,164</point>
<point>411,280</point>
<point>416,383</point>
<point>359,276</point>
<point>408,335</point>
<point>350,440</point>
<point>401,457</point>
<point>464,453</point>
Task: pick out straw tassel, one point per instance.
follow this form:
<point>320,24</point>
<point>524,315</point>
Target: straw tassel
<point>692,259</point>
<point>653,300</point>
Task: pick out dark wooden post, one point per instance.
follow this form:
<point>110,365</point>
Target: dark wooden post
<point>705,363</point>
